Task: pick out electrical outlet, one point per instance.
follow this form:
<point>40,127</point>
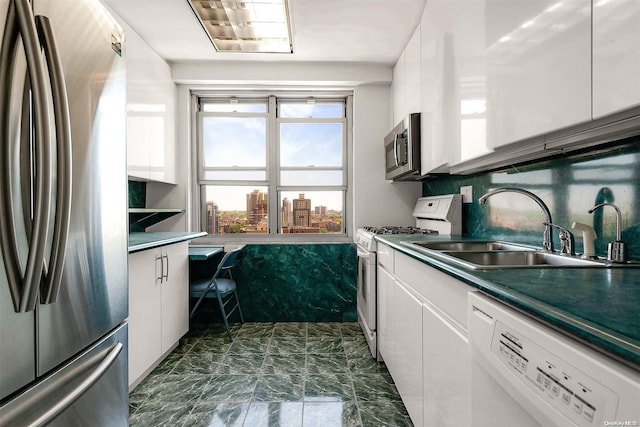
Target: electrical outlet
<point>467,193</point>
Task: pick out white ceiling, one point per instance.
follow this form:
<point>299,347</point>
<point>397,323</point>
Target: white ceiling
<point>373,31</point>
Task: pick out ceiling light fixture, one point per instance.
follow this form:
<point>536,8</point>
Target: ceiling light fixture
<point>246,25</point>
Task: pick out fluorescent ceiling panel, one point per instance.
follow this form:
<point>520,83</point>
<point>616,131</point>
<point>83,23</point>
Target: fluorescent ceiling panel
<point>246,26</point>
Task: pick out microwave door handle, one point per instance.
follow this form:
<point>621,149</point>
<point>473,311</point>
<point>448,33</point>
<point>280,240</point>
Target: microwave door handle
<point>63,161</point>
<point>395,149</point>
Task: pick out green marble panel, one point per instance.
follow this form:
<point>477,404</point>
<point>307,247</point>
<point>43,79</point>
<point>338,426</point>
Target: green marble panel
<point>137,194</point>
<point>569,185</point>
<point>297,283</point>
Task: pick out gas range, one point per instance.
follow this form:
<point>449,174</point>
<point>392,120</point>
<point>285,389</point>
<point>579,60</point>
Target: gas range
<point>365,235</point>
<point>399,229</point>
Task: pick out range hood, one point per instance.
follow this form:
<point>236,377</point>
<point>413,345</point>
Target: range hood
<point>141,218</point>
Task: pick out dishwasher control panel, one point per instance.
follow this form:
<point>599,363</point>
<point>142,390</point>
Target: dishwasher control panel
<point>570,391</point>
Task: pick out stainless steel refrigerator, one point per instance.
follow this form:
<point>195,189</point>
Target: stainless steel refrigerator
<point>63,224</point>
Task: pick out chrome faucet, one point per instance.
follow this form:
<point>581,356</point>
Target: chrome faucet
<point>547,243</point>
<point>567,240</point>
<point>616,250</point>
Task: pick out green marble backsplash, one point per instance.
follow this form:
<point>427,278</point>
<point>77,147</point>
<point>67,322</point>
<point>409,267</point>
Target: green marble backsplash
<point>137,194</point>
<point>297,282</point>
<point>568,185</point>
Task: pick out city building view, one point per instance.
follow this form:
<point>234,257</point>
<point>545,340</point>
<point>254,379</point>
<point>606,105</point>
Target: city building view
<point>297,216</point>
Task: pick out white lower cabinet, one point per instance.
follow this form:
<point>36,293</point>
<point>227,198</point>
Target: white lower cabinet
<point>422,334</point>
<point>158,305</point>
<point>408,367</point>
<point>446,370</point>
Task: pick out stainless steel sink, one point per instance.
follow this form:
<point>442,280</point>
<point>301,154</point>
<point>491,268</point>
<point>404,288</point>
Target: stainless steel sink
<point>492,254</point>
<point>472,245</point>
<point>519,259</point>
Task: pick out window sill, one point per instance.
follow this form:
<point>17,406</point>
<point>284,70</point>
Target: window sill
<point>270,239</point>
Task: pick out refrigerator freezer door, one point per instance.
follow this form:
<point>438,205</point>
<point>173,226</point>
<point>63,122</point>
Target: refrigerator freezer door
<point>17,339</point>
<point>93,295</point>
<point>90,390</point>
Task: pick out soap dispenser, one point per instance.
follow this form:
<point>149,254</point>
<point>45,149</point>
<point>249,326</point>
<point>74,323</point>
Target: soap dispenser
<point>588,239</point>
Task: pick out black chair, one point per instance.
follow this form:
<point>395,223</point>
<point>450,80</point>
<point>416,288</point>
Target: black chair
<point>221,286</point>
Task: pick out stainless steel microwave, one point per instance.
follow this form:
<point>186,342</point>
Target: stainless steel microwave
<point>402,150</point>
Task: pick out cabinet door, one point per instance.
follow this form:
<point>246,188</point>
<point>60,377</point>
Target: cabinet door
<point>454,83</point>
<point>175,294</point>
<point>408,352</point>
<point>144,312</point>
<point>447,372</point>
<point>398,89</point>
<point>538,56</point>
<point>384,326</point>
<point>616,56</point>
<point>412,73</point>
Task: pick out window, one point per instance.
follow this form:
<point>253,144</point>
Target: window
<point>273,165</point>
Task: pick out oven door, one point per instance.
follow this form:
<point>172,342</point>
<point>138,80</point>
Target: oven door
<point>367,296</point>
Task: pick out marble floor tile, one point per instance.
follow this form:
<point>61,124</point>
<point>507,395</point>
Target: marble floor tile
<point>328,363</point>
<point>272,374</point>
<point>216,414</point>
<point>324,330</point>
<point>287,345</point>
<point>290,329</point>
<point>229,388</point>
<point>326,414</point>
<point>249,363</point>
<point>328,387</point>
<point>274,414</point>
<point>384,413</point>
<point>375,387</point>
<point>284,364</point>
<point>320,345</point>
<point>279,388</point>
<point>249,345</point>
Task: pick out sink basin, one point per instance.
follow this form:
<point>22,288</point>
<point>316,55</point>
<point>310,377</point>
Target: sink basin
<point>518,259</point>
<point>490,245</point>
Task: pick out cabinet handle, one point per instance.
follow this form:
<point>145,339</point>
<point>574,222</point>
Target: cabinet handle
<point>166,276</point>
<point>161,277</point>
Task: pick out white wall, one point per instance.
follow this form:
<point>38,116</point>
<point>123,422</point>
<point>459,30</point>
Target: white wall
<point>377,201</point>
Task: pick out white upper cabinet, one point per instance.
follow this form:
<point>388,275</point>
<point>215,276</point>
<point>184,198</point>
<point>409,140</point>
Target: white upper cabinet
<point>406,80</point>
<point>412,73</point>
<point>616,56</point>
<point>398,89</point>
<point>151,93</point>
<point>453,76</point>
<point>538,55</point>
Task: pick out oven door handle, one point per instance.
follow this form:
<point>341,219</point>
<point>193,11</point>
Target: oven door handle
<point>363,253</point>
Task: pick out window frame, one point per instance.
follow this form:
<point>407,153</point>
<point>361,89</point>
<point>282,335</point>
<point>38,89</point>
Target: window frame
<point>272,166</point>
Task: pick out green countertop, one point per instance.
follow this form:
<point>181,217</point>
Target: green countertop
<point>148,240</point>
<point>599,306</point>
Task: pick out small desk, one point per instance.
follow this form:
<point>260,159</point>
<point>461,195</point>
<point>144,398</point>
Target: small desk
<point>202,254</point>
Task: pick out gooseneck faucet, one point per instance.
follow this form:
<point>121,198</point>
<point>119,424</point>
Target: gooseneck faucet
<point>616,250</point>
<point>547,243</point>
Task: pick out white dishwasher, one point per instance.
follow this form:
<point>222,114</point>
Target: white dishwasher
<point>524,373</point>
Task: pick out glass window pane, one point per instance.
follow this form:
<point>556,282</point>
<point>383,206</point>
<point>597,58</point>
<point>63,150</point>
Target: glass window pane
<point>235,141</point>
<point>307,144</point>
<point>317,110</point>
<point>311,212</point>
<point>311,177</point>
<point>240,107</point>
<point>235,209</point>
<point>241,175</point>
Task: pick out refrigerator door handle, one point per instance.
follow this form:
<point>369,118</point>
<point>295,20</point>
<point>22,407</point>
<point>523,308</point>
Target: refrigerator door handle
<point>8,242</point>
<point>24,289</point>
<point>18,415</point>
<point>62,117</point>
